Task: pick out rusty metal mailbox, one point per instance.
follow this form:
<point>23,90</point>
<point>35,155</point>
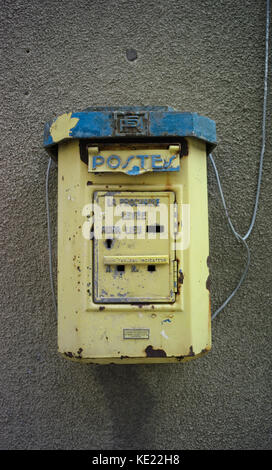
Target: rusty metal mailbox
<point>132,234</point>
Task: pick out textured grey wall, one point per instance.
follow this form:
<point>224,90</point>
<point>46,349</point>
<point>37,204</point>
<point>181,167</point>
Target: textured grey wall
<point>199,55</point>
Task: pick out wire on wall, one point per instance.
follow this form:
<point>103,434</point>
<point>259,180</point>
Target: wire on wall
<point>240,238</point>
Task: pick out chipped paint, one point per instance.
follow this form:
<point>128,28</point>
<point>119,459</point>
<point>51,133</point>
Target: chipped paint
<point>62,126</point>
<point>151,352</point>
<point>163,122</point>
<point>180,277</point>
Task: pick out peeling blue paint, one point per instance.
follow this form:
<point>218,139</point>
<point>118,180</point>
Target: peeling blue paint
<point>135,170</point>
<point>159,122</point>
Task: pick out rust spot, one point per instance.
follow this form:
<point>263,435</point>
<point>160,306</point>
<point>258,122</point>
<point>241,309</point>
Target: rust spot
<point>150,352</point>
<point>124,357</point>
<point>79,354</point>
<point>191,354</point>
<point>181,277</point>
<point>78,268</point>
<point>180,358</point>
<point>101,308</point>
<point>62,178</point>
<point>68,354</point>
<point>76,329</point>
<point>205,350</point>
<point>180,280</point>
<point>208,283</point>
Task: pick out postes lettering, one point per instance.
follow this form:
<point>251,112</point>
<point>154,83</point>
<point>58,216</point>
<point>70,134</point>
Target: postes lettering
<point>135,164</point>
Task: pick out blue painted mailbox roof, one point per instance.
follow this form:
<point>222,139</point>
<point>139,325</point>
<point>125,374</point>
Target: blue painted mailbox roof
<point>129,121</point>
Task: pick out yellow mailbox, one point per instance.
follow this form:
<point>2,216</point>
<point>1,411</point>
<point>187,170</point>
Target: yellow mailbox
<point>132,234</point>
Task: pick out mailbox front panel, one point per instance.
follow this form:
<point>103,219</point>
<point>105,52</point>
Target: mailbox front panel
<point>133,299</point>
<point>134,257</point>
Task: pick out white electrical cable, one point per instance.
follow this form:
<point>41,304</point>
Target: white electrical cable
<point>239,238</point>
<point>49,235</point>
<point>236,234</point>
<point>264,121</point>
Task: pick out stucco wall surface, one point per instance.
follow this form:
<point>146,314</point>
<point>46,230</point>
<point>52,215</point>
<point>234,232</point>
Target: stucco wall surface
<point>201,56</point>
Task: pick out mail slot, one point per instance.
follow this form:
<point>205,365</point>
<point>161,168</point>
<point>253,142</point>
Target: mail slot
<point>132,234</point>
